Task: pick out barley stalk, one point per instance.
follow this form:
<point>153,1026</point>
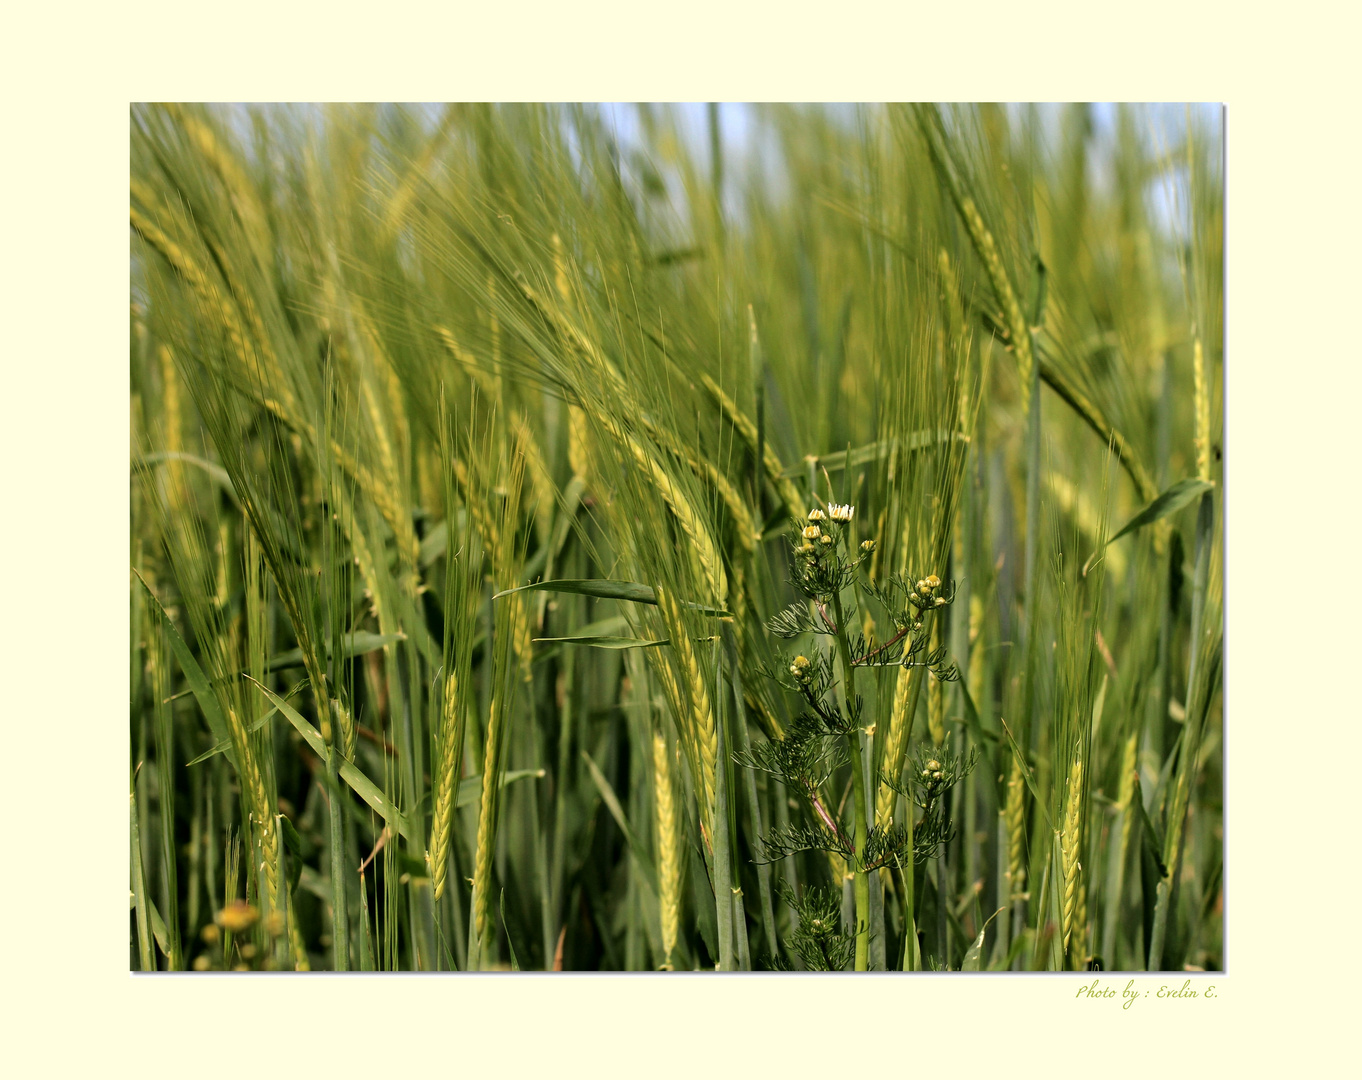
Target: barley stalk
<point>295,940</point>
<point>1115,887</point>
<point>1080,925</point>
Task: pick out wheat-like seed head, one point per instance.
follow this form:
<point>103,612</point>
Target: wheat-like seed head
<point>896,738</point>
<point>701,544</point>
<point>702,725</point>
<point>1015,815</point>
<point>238,185</point>
<point>744,426</point>
<point>560,278</point>
<point>668,848</point>
<point>522,641</point>
<point>442,817</point>
<point>174,427</point>
<point>260,811</point>
<point>346,725</point>
<point>1017,329</point>
<point>936,709</point>
<point>1070,847</point>
<point>1202,400</point>
<point>468,362</point>
<point>541,477</point>
<point>255,356</point>
<point>579,443</point>
<point>482,858</point>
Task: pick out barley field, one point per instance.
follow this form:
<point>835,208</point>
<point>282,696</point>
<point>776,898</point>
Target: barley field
<point>671,539</point>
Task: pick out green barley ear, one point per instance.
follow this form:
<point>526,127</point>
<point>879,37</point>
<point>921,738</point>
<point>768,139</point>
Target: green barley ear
<point>701,713</point>
<point>1202,403</point>
<point>756,444</point>
<point>907,686</point>
<point>949,170</point>
<point>442,817</point>
<point>1071,839</point>
<point>1015,817</point>
<point>510,636</point>
<point>668,847</point>
<point>345,724</point>
<point>463,571</point>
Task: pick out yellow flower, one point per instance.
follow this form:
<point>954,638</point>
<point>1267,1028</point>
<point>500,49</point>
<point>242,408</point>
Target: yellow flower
<point>237,916</point>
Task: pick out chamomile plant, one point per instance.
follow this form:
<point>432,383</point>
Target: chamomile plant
<point>829,732</point>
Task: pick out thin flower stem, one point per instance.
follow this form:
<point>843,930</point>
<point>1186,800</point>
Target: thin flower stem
<point>827,818</point>
<point>865,660</point>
